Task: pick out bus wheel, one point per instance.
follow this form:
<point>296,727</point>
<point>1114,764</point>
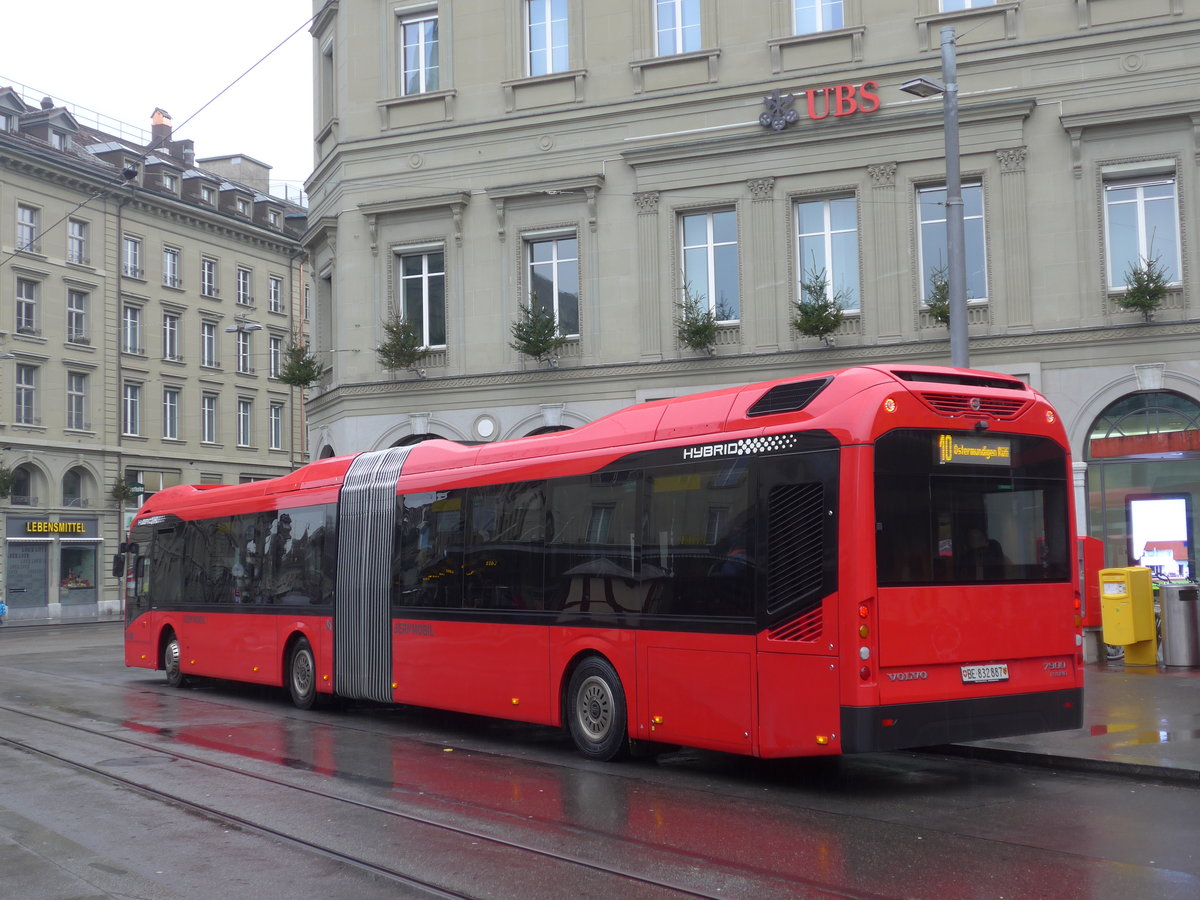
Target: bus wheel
<point>175,676</point>
<point>302,675</point>
<point>596,710</point>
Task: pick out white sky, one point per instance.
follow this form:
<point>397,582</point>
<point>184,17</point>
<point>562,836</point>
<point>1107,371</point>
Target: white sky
<point>121,60</point>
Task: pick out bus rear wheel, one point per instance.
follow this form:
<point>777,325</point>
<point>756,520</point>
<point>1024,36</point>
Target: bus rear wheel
<point>596,714</point>
<point>302,675</point>
<point>170,663</point>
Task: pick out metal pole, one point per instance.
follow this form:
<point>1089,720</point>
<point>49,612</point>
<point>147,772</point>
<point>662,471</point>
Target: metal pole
<point>956,240</point>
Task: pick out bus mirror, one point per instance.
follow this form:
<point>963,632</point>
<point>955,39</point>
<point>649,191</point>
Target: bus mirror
<point>118,568</point>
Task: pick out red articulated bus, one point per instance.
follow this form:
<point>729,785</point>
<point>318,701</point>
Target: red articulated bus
<point>861,560</point>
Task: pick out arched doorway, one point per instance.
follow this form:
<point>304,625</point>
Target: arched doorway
<point>1143,479</point>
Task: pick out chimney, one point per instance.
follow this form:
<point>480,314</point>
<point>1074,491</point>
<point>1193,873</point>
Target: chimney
<point>47,103</point>
<point>160,129</point>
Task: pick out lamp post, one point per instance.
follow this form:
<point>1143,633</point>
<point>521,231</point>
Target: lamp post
<point>956,241</point>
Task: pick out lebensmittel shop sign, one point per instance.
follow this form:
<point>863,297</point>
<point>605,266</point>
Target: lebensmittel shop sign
<point>49,528</point>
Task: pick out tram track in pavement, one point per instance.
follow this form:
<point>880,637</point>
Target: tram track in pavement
<point>708,878</point>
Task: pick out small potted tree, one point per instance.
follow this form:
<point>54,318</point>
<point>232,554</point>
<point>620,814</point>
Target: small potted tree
<point>938,300</point>
<point>7,477</point>
<point>696,324</point>
<point>300,367</point>
<point>123,492</point>
<point>535,334</point>
<point>819,311</point>
<point>1146,287</point>
<point>401,348</point>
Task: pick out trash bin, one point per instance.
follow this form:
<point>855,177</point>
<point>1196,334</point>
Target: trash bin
<point>1180,610</point>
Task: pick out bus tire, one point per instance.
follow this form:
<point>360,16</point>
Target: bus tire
<point>596,714</point>
<point>171,663</point>
<point>302,675</point>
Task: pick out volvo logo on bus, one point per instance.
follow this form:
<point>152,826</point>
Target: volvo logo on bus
<point>907,676</point>
<point>742,447</point>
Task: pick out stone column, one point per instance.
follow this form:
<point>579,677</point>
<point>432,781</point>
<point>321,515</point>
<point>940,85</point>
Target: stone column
<point>648,277</point>
<point>1015,308</point>
<point>886,294</point>
<point>763,309</point>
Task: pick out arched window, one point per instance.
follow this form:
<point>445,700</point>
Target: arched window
<point>75,487</point>
<point>1146,424</point>
<point>23,487</point>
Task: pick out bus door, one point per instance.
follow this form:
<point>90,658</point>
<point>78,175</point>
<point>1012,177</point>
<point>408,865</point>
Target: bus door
<point>362,644</point>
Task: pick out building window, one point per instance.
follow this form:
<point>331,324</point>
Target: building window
<point>273,218</point>
<point>27,306</point>
<point>170,414</point>
<point>244,296</point>
<point>170,182</point>
<point>547,36</point>
<point>27,228</point>
<point>242,205</point>
<point>26,395</point>
<point>131,410</point>
<point>274,355</point>
<point>419,54</point>
<point>170,336</point>
<point>208,418</point>
<point>208,276</point>
<point>132,257</point>
<point>956,5</point>
<point>934,258</point>
<point>74,488</point>
<point>77,401</point>
<point>710,262</point>
<point>170,273</point>
<point>827,242</point>
<point>812,16</point>
<point>208,344</point>
<point>131,329</point>
<point>554,280</point>
<point>58,140</point>
<point>243,353</point>
<point>77,242</point>
<point>1141,224</point>
<point>208,195</point>
<point>245,417</point>
<point>423,295</point>
<point>275,426</point>
<point>307,311</point>
<point>275,293</point>
<point>327,93</point>
<point>677,23</point>
<point>77,317</point>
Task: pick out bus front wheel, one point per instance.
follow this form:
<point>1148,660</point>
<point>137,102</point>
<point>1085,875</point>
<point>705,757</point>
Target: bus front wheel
<point>596,710</point>
<point>302,675</point>
<point>170,661</point>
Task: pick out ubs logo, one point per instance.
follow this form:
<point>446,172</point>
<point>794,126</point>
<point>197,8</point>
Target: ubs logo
<point>907,676</point>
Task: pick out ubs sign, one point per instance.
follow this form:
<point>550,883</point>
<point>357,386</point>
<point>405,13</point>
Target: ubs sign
<point>837,100</point>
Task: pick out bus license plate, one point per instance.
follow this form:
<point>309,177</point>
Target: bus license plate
<point>981,674</point>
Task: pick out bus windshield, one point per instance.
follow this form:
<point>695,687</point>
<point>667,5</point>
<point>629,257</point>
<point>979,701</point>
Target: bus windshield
<point>957,509</point>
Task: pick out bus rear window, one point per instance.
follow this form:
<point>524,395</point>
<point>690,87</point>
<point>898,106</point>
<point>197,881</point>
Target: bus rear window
<point>957,509</point>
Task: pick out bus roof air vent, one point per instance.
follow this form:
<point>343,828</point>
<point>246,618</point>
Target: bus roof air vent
<point>791,397</point>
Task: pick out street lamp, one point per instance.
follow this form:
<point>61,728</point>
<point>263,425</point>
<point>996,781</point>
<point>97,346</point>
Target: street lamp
<point>956,241</point>
<point>242,326</point>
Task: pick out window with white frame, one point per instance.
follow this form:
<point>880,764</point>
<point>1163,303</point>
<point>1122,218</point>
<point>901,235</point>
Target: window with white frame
<point>170,182</point>
<point>273,218</point>
<point>131,257</point>
<point>77,317</point>
<point>422,301</point>
<point>28,218</point>
<point>27,306</point>
<point>812,16</point>
<point>553,266</point>
<point>275,426</point>
<point>244,355</point>
<point>77,242</point>
<point>326,87</point>
<point>955,5</point>
<point>827,244</point>
<point>208,344</point>
<point>1141,222</point>
<point>170,336</point>
<point>26,412</point>
<point>208,195</point>
<point>58,140</point>
<point>677,26</point>
<point>131,409</point>
<point>419,65</point>
<point>244,295</point>
<point>274,356</point>
<point>208,418</point>
<point>709,250</point>
<point>74,488</point>
<point>170,264</point>
<point>242,205</point>
<point>307,311</point>
<point>131,329</point>
<point>77,401</point>
<point>245,419</point>
<point>931,202</point>
<point>170,413</point>
<point>208,276</point>
<point>546,36</point>
<point>275,293</point>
